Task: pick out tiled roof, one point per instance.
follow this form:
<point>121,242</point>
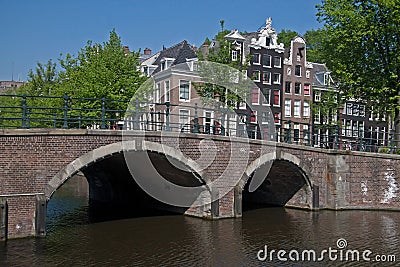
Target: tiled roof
<point>180,52</point>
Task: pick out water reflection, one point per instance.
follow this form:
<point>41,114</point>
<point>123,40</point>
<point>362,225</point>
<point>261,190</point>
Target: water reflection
<point>73,240</point>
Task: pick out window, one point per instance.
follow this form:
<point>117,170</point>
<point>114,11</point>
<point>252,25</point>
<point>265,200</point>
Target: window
<point>277,118</point>
<point>266,60</point>
<point>254,96</point>
<point>167,91</point>
<point>317,116</point>
<point>184,120</point>
<point>265,98</point>
<point>256,59</point>
<point>184,90</point>
<point>234,55</point>
<point>158,93</point>
<point>297,88</point>
<point>288,108</point>
<point>277,97</point>
<point>306,109</point>
<point>288,87</point>
<point>297,71</point>
<point>298,57</point>
<point>349,109</point>
<point>289,71</point>
<point>317,96</point>
<point>267,77</point>
<point>296,111</point>
<point>308,74</point>
<point>361,110</point>
<point>355,110</point>
<point>264,117</point>
<point>277,62</point>
<point>277,78</point>
<point>256,75</point>
<point>306,89</point>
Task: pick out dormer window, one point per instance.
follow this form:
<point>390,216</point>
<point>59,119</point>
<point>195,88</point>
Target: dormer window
<point>166,63</point>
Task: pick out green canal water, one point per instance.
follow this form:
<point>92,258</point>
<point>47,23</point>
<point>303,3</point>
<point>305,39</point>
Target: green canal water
<point>75,238</point>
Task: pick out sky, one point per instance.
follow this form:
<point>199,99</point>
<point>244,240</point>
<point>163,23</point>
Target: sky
<point>36,31</point>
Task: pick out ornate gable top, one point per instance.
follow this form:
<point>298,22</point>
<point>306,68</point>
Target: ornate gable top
<point>234,35</point>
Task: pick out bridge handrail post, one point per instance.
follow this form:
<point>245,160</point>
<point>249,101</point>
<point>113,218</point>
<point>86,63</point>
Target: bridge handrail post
<point>103,113</point>
<point>136,118</point>
<point>23,107</point>
<point>308,135</point>
<point>167,111</point>
<point>222,130</point>
<point>65,109</point>
<point>289,133</point>
<point>391,138</point>
<point>336,146</point>
<point>196,119</point>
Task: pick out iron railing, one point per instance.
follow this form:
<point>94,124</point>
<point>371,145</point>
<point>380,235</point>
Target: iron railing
<point>22,111</point>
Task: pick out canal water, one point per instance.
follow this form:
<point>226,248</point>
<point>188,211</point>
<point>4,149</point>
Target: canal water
<point>75,238</point>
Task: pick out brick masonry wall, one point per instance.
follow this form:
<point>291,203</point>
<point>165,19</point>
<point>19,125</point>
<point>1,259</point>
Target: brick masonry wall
<point>29,159</point>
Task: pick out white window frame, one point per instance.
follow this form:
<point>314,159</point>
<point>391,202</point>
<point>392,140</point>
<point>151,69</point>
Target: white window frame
<point>184,99</point>
<point>279,78</point>
<point>259,59</point>
<point>269,81</point>
<point>280,62</point>
<point>258,96</point>
<point>167,91</point>
<point>234,55</point>
<point>297,108</point>
<point>267,98</point>
<point>279,97</point>
<point>257,75</point>
<point>295,68</point>
<point>306,109</point>
<point>270,61</point>
<point>317,96</point>
<point>288,107</point>
<point>309,89</point>
<point>186,123</point>
<point>295,89</point>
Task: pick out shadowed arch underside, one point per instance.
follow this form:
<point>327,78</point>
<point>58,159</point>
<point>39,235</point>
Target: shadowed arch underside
<point>111,185</point>
<point>284,184</point>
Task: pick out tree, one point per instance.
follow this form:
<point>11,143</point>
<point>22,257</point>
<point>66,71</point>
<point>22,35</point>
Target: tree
<point>101,71</point>
<point>42,81</point>
<point>286,36</point>
<point>363,41</point>
<point>314,41</point>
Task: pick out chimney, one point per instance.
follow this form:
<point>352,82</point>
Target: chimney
<point>147,51</point>
<point>126,50</point>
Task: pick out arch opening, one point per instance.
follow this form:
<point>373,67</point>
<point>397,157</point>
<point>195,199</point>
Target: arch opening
<point>112,191</point>
<point>281,183</point>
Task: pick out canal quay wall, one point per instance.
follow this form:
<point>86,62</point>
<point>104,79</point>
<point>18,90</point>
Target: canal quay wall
<point>34,163</point>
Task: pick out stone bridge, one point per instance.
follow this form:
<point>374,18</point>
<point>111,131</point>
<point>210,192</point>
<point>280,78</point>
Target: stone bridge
<point>35,163</point>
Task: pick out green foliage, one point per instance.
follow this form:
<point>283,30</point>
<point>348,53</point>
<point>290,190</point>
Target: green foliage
<point>98,71</point>
<point>362,48</point>
<point>314,40</point>
<point>286,36</point>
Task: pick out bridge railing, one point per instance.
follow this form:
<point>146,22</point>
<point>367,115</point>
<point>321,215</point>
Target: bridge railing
<point>336,137</point>
<point>22,111</point>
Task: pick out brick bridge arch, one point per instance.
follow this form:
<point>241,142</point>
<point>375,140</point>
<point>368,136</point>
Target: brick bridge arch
<point>265,166</point>
<point>109,150</point>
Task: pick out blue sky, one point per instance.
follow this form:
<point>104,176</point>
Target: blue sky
<point>36,31</point>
